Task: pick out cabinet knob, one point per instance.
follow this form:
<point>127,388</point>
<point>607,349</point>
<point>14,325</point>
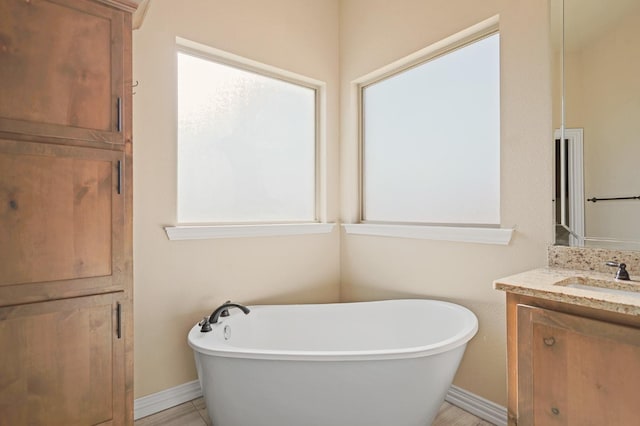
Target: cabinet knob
<point>549,341</point>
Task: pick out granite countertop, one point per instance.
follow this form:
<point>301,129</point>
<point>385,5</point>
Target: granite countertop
<point>547,283</point>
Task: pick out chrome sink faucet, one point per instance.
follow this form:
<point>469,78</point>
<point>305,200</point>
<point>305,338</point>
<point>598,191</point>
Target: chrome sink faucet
<point>622,273</point>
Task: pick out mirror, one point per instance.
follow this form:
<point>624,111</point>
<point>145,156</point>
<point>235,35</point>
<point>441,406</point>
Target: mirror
<point>596,114</point>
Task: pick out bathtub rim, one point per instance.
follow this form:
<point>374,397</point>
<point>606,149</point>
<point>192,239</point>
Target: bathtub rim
<point>460,338</point>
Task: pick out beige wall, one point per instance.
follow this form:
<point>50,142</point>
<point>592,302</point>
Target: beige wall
<point>178,282</point>
<point>334,41</point>
<point>376,32</point>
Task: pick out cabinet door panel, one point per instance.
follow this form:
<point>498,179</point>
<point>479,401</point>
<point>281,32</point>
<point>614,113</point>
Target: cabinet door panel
<point>61,217</point>
<point>61,69</point>
<point>64,365</point>
<point>576,371</point>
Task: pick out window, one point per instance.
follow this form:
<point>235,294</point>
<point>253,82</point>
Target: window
<point>246,143</point>
<point>431,139</point>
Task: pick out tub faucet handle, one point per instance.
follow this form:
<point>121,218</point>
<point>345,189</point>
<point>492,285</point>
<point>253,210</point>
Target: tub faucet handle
<point>621,273</point>
<point>205,327</point>
<point>225,313</point>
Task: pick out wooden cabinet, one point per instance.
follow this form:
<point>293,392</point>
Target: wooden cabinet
<point>62,362</point>
<point>61,69</point>
<point>570,365</point>
<point>66,273</point>
<point>62,221</point>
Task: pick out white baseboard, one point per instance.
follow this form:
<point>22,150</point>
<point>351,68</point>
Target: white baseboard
<point>177,395</point>
<point>478,406</point>
<point>156,402</point>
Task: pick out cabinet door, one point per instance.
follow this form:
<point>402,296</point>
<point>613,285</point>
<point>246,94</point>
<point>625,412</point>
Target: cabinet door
<point>61,221</point>
<point>576,371</point>
<point>62,363</point>
<point>61,69</point>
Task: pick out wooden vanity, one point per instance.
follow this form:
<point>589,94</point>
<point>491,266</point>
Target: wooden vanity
<point>573,353</point>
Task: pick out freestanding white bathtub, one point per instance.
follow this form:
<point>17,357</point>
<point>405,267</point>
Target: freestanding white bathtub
<point>387,363</point>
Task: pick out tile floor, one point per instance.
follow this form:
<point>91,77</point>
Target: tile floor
<point>194,413</point>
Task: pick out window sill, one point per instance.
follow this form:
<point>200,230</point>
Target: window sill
<point>501,236</point>
<point>206,232</point>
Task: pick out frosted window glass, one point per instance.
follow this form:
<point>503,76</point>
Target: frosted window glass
<point>431,140</point>
<point>246,145</point>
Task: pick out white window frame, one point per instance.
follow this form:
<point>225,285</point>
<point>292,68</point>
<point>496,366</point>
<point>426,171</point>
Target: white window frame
<point>226,230</point>
<point>446,232</point>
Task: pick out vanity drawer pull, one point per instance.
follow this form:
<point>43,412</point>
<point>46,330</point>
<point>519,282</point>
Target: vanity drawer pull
<point>549,341</point>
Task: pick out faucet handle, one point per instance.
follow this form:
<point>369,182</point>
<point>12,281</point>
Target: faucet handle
<point>205,327</point>
<point>225,313</point>
<point>622,273</point>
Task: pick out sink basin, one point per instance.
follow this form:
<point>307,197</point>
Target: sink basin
<point>630,288</point>
<point>605,290</point>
